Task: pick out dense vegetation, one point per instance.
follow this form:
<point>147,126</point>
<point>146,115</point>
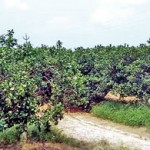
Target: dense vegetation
<point>31,77</point>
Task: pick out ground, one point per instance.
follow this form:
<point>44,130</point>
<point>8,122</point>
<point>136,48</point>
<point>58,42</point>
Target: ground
<point>87,128</point>
<point>39,146</point>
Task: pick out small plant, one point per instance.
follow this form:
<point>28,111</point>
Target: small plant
<point>59,44</point>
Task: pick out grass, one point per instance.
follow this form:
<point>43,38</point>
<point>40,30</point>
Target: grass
<point>128,114</point>
<point>105,145</point>
<point>55,136</point>
<point>11,136</point>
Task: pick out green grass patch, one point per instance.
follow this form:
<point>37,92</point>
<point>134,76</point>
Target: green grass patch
<point>11,136</point>
<point>128,114</point>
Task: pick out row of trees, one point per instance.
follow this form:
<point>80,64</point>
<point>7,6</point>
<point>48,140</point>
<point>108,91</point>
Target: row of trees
<point>62,78</point>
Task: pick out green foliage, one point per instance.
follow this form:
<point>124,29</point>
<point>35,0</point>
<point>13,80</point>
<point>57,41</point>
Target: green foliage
<point>11,136</point>
<point>31,77</point>
<point>59,44</point>
<point>22,78</point>
<point>7,40</point>
<point>133,115</point>
<point>19,103</point>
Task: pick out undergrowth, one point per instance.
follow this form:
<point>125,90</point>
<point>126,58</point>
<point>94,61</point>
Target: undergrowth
<point>128,114</point>
<point>11,136</point>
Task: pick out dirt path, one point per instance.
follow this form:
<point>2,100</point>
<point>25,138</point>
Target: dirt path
<point>87,128</point>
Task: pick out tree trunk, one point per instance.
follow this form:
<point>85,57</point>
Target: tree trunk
<point>24,135</point>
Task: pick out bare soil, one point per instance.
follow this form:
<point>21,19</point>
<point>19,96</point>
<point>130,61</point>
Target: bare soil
<point>85,127</point>
<point>38,146</point>
<point>118,98</point>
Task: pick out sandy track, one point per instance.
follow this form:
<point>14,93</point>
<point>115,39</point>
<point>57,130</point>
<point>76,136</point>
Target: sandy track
<point>90,129</point>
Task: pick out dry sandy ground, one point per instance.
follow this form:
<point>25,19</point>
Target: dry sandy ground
<point>117,97</point>
<point>87,128</point>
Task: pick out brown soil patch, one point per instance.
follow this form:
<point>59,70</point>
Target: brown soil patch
<point>117,97</point>
<point>74,110</point>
